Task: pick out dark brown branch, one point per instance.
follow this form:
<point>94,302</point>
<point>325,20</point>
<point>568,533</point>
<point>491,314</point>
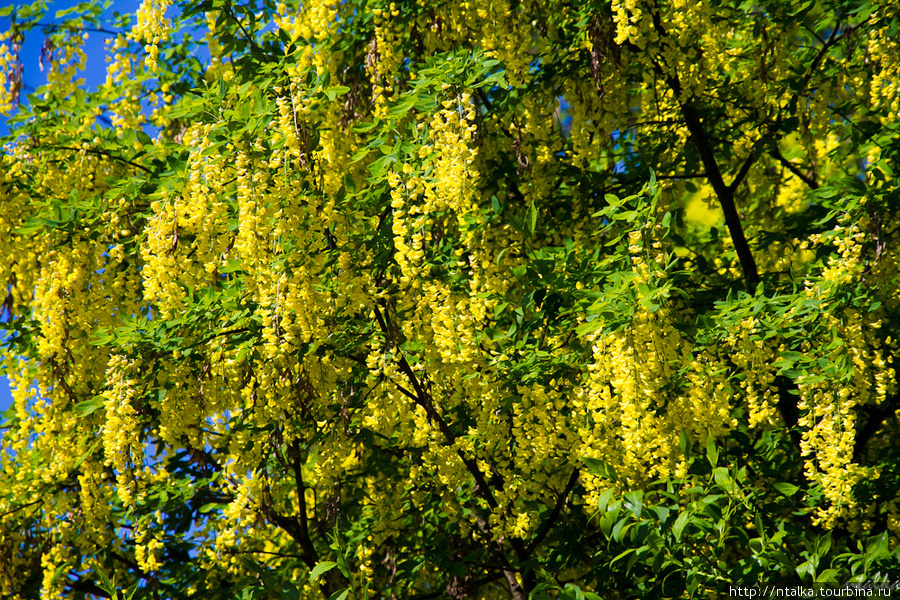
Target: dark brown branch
<point>776,154</point>
<point>23,507</point>
<point>557,509</point>
<point>826,46</point>
<point>104,154</point>
<point>250,39</point>
<point>290,526</point>
<point>423,398</point>
<point>745,168</point>
<point>787,407</point>
<point>297,465</point>
<point>51,27</point>
<point>496,552</point>
<point>724,193</point>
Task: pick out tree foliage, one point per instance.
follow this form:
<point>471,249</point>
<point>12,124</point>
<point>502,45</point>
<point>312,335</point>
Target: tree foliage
<point>412,299</point>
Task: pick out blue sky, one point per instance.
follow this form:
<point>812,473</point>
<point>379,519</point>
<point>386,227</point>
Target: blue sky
<point>5,396</point>
<point>33,77</point>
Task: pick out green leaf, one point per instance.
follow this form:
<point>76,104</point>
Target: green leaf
<point>722,477</point>
<point>679,525</point>
<point>349,183</point>
<point>684,443</point>
<point>588,327</point>
<point>788,489</point>
<point>828,576</point>
<point>90,451</point>
<point>531,217</point>
<point>340,594</point>
<point>877,546</point>
<point>601,468</point>
<point>806,568</point>
<point>634,501</point>
<point>335,91</point>
<point>620,529</point>
<point>605,497</point>
<point>712,452</point>
<point>87,407</point>
<point>320,568</point>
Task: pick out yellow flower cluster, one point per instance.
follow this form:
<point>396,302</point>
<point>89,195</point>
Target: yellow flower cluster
<point>848,265</point>
<point>384,58</point>
<point>122,444</point>
<point>147,549</point>
<point>634,402</point>
<point>829,410</point>
<point>421,204</point>
<point>54,562</point>
<point>829,432</point>
<point>240,515</point>
<point>329,334</point>
<point>122,86</point>
<point>883,48</point>
<point>8,62</point>
<point>187,235</point>
<point>77,287</point>
<point>631,22</point>
<point>754,357</point>
<point>504,35</point>
<point>151,27</point>
<point>68,61</point>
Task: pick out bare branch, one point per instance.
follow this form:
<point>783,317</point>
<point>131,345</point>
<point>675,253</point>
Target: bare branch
<point>557,509</point>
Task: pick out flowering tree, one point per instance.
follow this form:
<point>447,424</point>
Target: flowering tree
<point>449,299</point>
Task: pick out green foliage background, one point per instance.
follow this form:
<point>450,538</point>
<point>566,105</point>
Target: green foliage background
<point>420,300</point>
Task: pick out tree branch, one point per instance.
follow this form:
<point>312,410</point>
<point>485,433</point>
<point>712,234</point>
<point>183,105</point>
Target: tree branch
<point>104,154</point>
<point>776,154</point>
<point>826,45</point>
<point>290,526</point>
<point>250,39</point>
<point>423,398</point>
<point>745,168</point>
<point>787,407</point>
<point>22,507</point>
<point>51,27</point>
<point>724,193</point>
<point>305,542</point>
<point>560,502</point>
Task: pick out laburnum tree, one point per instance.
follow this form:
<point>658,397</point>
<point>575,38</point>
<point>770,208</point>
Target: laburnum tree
<point>414,299</point>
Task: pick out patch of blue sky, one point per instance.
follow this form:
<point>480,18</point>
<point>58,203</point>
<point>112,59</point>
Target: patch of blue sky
<point>33,53</point>
<point>5,395</point>
<point>33,50</point>
<point>564,116</point>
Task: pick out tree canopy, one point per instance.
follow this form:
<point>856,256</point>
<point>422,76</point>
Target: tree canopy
<point>413,299</point>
